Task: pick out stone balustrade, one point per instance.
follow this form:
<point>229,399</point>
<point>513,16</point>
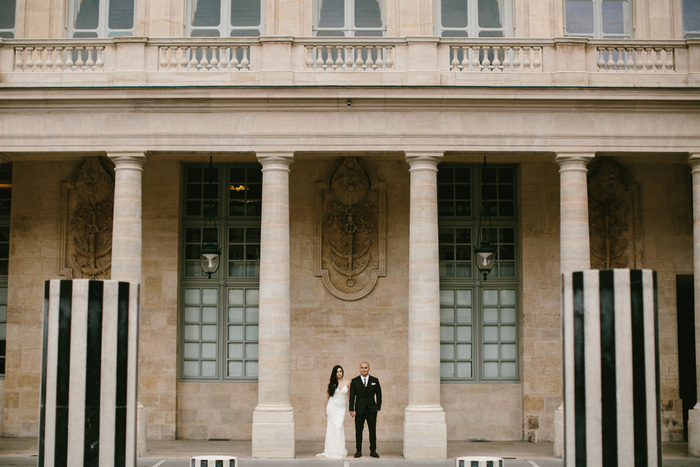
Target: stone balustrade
<point>348,61</point>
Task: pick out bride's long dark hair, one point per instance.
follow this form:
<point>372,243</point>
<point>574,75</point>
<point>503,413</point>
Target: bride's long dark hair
<point>333,385</point>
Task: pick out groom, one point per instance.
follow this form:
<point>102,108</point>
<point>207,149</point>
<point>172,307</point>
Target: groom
<point>365,402</point>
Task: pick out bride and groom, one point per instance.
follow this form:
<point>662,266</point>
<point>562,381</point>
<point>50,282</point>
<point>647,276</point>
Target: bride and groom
<point>365,396</point>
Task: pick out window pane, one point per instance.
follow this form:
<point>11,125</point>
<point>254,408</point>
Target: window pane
<point>235,296</point>
<point>447,351</point>
<point>332,14</point>
<point>252,296</point>
<point>454,13</point>
<point>209,297</point>
<point>191,314</point>
<point>245,12</point>
<point>508,351</point>
<point>490,14</point>
<point>508,333</point>
<point>491,351</point>
<point>447,297</point>
<point>235,369</point>
<point>491,315</point>
<point>464,315</point>
<point>447,333</point>
<point>508,370</point>
<point>251,369</point>
<point>208,333</point>
<point>464,333</point>
<point>251,333</point>
<point>208,350</point>
<point>615,17</point>
<point>191,369</point>
<point>121,14</point>
<point>192,351</point>
<point>447,315</point>
<point>464,352</point>
<point>209,314</point>
<point>579,16</point>
<point>251,315</point>
<point>209,369</point>
<point>464,370</point>
<point>7,14</point>
<point>491,333</point>
<point>235,351</point>
<point>491,369</point>
<point>508,315</point>
<point>251,351</point>
<point>490,297</point>
<point>447,369</point>
<point>206,13</point>
<point>368,14</point>
<point>464,297</point>
<point>86,14</point>
<point>192,332</point>
<point>235,333</point>
<point>691,15</point>
<point>235,315</point>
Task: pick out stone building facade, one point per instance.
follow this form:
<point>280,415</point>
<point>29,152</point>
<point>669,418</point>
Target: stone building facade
<point>353,147</point>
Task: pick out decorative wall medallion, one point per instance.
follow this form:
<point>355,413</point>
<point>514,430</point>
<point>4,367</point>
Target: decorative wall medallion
<point>350,229</point>
<point>612,216</point>
<point>88,209</point>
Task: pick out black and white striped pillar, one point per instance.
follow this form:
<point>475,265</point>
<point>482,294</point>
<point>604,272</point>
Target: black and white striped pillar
<point>611,368</point>
<point>89,374</point>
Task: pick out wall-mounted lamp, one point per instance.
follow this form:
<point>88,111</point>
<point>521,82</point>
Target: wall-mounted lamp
<point>484,252</point>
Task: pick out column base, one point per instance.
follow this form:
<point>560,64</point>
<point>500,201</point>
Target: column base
<point>273,433</point>
<point>694,431</point>
<point>559,432</point>
<point>425,433</point>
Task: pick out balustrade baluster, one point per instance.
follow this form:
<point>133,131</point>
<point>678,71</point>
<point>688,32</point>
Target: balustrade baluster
<point>369,63</point>
<point>639,59</point>
<point>601,58</point>
<point>29,62</point>
<point>359,60</point>
<point>620,63</point>
<point>80,61</point>
<point>70,63</point>
<point>309,57</point>
<point>507,63</point>
<point>611,61</point>
<point>379,63</point>
<point>223,57</point>
<point>527,63</point>
<point>670,66</point>
<point>163,57</point>
<point>100,58</point>
<point>49,63</point>
<point>19,62</point>
<point>58,64</point>
<point>181,58</point>
<point>235,63</point>
<point>455,63</point>
<point>204,61</point>
<point>629,59</point>
<point>319,58</point>
<point>517,62</point>
<point>214,62</point>
<point>90,62</point>
<point>485,62</point>
<point>659,63</point>
<point>349,61</point>
<point>474,53</point>
<point>650,59</point>
<point>246,57</point>
<point>389,58</point>
<point>329,58</point>
<point>496,63</point>
<point>340,59</point>
<point>537,62</point>
<point>169,59</point>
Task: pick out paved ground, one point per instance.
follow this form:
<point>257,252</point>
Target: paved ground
<point>23,452</point>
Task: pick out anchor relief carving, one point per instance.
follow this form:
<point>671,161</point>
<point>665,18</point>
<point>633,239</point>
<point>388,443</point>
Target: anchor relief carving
<point>350,213</point>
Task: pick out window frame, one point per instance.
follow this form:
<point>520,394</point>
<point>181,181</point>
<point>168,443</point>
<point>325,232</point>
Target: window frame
<point>688,34</point>
<point>474,283</point>
<point>508,28</point>
<point>221,281</point>
<point>102,30</point>
<point>598,22</point>
<point>349,29</point>
<point>10,33</point>
<point>224,28</point>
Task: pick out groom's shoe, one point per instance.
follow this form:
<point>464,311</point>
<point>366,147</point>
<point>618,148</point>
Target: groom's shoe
<point>358,454</point>
<point>374,454</point>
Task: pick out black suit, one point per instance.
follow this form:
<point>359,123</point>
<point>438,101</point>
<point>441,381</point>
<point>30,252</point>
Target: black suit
<point>365,402</point>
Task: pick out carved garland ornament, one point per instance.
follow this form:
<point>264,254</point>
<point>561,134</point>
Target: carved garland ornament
<point>612,207</point>
<point>88,210</point>
<point>351,231</point>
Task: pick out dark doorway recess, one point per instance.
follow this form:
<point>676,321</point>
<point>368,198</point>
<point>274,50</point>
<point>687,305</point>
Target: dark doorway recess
<point>685,304</point>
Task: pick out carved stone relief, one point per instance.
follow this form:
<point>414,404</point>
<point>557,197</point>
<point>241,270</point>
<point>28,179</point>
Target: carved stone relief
<point>351,229</point>
<point>613,216</point>
<point>86,227</point>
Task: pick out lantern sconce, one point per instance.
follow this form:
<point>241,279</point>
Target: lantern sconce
<point>484,252</point>
<point>210,253</point>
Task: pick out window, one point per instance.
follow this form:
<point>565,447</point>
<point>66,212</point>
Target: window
<point>478,319</point>
<point>358,18</point>
<point>219,318</point>
<point>7,18</point>
<point>5,198</point>
<point>101,18</point>
<point>224,18</point>
<point>474,18</point>
<point>691,18</point>
<point>598,18</point>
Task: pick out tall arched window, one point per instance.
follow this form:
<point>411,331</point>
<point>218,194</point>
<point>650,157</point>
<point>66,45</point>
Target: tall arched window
<point>225,18</point>
<point>598,18</point>
<point>101,18</point>
<point>474,18</point>
<point>358,18</point>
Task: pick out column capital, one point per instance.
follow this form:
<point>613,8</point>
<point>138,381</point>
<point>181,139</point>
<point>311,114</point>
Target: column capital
<point>694,161</point>
<point>567,159</point>
<point>128,160</point>
<point>278,160</point>
<point>423,160</point>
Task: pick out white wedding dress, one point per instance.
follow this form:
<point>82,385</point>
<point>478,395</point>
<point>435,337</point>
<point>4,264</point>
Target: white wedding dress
<point>335,432</point>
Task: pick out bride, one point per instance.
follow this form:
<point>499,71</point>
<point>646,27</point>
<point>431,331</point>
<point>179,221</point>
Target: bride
<point>336,405</point>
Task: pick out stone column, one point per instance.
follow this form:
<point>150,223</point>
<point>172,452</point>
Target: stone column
<point>694,414</point>
<point>425,429</point>
<point>273,418</point>
<point>127,239</point>
<point>575,245</point>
